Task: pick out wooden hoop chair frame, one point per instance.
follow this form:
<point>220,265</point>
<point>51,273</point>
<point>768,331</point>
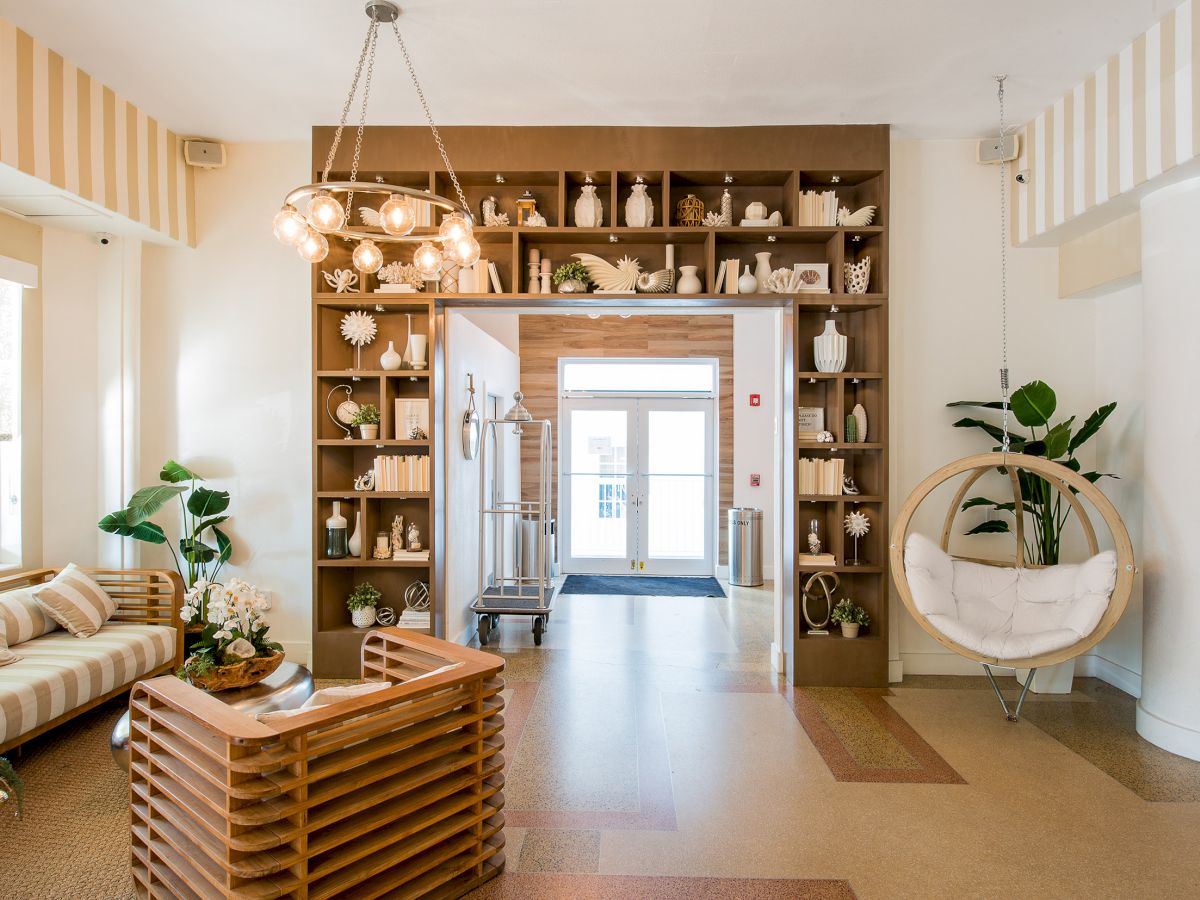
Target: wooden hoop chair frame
<point>1063,480</point>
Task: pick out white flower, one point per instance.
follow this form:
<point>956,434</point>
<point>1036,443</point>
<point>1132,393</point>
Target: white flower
<point>241,648</point>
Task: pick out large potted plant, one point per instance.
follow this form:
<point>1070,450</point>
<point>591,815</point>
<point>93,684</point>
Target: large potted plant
<point>11,786</point>
<point>233,650</point>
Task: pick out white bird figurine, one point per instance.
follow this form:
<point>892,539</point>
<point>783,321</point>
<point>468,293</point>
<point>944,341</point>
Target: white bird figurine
<point>619,278</point>
<point>370,217</point>
<point>858,218</point>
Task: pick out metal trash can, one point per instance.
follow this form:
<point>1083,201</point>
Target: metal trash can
<point>745,546</point>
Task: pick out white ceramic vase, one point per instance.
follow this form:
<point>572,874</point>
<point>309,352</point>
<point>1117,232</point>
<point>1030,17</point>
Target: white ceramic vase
<point>390,360</point>
<point>857,275</point>
<point>829,349</point>
<point>747,284</point>
<point>363,618</point>
<point>589,211</point>
<point>355,544</point>
<point>762,271</point>
<point>689,281</point>
<point>639,208</point>
<point>417,344</point>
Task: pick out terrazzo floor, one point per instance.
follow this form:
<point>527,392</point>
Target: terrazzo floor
<point>652,753</point>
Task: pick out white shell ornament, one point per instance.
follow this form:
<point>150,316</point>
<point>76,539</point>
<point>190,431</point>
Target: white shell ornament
<point>857,219</point>
<point>341,280</point>
<point>358,328</point>
<point>825,437</point>
<point>621,278</point>
<point>860,421</point>
<point>656,282</point>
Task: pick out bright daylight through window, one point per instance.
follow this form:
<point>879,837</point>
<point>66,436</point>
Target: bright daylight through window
<point>10,423</point>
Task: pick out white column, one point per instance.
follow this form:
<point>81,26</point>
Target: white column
<point>1168,712</point>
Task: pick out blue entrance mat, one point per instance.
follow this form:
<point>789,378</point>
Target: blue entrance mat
<point>642,586</point>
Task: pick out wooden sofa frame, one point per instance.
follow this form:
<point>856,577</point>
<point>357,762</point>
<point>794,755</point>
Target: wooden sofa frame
<point>395,793</point>
<point>146,596</point>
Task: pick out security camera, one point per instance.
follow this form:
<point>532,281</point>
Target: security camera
<point>104,238</point>
<point>1023,177</point>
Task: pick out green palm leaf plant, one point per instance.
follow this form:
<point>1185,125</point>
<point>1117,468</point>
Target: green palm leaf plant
<point>1033,405</point>
<point>203,547</point>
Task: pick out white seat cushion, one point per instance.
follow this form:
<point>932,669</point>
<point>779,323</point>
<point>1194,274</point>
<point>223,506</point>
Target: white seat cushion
<point>1008,613</point>
<point>58,672</point>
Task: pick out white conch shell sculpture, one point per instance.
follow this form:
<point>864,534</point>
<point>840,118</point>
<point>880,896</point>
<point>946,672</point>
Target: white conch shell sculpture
<point>639,208</point>
<point>589,211</point>
<point>656,282</point>
<point>860,421</point>
<point>784,281</point>
<point>341,280</point>
<point>607,277</point>
<point>370,217</point>
<point>856,219</point>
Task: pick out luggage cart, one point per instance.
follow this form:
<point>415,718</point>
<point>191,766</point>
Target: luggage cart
<point>519,532</point>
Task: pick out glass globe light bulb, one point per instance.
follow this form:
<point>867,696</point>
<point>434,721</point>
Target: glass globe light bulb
<point>367,257</point>
<point>397,215</point>
<point>325,213</point>
<point>465,251</point>
<point>313,247</point>
<point>454,228</point>
<point>289,226</point>
<point>428,260</point>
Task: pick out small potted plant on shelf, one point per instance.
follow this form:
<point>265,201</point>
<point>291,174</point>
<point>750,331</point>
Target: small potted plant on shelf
<point>366,420</point>
<point>572,278</point>
<point>850,616</point>
<point>233,650</point>
<point>361,603</point>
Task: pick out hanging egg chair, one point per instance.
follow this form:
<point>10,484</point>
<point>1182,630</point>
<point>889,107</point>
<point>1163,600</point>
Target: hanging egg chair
<point>1012,614</point>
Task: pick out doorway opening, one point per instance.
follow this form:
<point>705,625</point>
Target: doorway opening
<point>637,466</point>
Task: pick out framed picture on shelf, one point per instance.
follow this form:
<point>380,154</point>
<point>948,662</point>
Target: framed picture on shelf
<point>814,277</point>
<point>412,420</point>
<point>810,421</point>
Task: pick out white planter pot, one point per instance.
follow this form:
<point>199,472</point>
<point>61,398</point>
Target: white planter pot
<point>850,629</point>
<point>368,432</point>
<point>363,618</point>
<point>829,349</point>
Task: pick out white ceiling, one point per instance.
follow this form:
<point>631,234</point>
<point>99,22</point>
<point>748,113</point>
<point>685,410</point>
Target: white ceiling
<point>239,70</point>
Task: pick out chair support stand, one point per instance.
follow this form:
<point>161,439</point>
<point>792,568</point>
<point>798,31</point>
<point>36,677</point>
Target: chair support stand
<point>1015,714</point>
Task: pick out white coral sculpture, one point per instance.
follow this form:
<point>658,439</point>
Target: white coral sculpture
<point>607,277</point>
<point>400,273</point>
<point>341,280</point>
<point>858,218</point>
<point>535,220</point>
<point>785,281</point>
<point>358,328</point>
<point>713,220</point>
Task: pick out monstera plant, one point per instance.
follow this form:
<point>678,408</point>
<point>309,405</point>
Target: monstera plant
<point>1033,406</point>
<point>203,547</point>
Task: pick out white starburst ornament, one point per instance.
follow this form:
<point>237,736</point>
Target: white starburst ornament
<point>358,329</point>
<point>857,525</point>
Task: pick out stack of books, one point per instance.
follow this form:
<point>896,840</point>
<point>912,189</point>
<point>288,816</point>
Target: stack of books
<point>818,208</point>
<point>402,473</point>
<point>410,618</point>
<point>821,477</point>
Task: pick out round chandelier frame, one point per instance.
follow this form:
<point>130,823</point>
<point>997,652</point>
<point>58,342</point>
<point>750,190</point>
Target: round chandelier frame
<point>366,187</point>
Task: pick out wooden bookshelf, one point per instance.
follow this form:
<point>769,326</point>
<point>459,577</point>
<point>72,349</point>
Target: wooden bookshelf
<point>770,164</point>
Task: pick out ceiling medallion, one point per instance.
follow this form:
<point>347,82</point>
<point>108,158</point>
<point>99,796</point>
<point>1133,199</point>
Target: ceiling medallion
<point>325,214</point>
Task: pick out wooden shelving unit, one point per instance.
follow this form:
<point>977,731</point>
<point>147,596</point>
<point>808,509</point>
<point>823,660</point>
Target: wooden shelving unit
<point>771,165</point>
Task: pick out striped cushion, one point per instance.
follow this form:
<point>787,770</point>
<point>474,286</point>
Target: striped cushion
<point>21,619</point>
<point>57,673</point>
<point>76,602</point>
<point>7,656</point>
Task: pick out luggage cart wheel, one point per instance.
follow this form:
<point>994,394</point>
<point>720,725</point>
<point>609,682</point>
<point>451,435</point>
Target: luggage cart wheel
<point>539,625</point>
<point>485,628</point>
<point>495,621</point>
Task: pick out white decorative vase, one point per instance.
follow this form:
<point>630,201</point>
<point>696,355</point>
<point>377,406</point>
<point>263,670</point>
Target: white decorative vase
<point>417,344</point>
<point>762,271</point>
<point>589,211</point>
<point>355,544</point>
<point>829,349</point>
<point>639,208</point>
<point>390,360</point>
<point>363,618</point>
<point>747,284</point>
<point>689,281</point>
<point>857,275</point>
<point>850,629</point>
<point>860,421</point>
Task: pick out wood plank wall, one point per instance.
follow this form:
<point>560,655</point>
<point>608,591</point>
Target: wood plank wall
<point>546,339</point>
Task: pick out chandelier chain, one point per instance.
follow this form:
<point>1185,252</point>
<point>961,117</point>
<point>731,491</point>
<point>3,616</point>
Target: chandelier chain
<point>337,135</point>
<point>362,117</point>
<point>1004,385</point>
<point>437,137</point>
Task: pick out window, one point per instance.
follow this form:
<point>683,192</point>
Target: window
<point>10,423</point>
<point>650,376</point>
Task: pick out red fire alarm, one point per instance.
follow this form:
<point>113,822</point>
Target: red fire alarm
<point>755,479</point>
<point>756,400</point>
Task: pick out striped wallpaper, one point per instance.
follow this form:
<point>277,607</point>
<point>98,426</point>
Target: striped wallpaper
<point>1132,119</point>
<point>59,124</point>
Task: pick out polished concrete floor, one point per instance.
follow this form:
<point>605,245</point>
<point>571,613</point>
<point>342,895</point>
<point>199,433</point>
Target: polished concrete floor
<point>652,753</point>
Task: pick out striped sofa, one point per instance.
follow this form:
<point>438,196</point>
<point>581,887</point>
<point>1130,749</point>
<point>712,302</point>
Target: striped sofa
<point>59,675</point>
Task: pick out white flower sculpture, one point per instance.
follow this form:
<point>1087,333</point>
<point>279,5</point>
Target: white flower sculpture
<point>358,328</point>
<point>857,524</point>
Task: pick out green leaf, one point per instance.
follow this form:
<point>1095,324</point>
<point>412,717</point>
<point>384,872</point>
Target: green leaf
<point>224,545</point>
<point>1033,404</point>
<point>149,500</point>
<point>173,473</point>
<point>196,552</point>
<point>118,523</point>
<point>208,523</point>
<point>991,526</point>
<point>1093,477</point>
<point>994,432</point>
<point>1090,426</point>
<point>205,502</point>
<point>985,404</point>
<point>1058,438</point>
<point>978,501</point>
<point>1034,448</point>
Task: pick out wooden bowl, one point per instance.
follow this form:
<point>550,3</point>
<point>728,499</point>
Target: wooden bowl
<point>239,675</point>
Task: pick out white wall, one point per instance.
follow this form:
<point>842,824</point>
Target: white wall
<point>497,370</point>
<point>226,373</point>
<point>755,371</point>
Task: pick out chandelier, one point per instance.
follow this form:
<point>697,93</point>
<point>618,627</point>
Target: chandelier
<point>325,215</point>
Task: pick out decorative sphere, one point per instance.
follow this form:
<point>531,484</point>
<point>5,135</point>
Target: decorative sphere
<point>428,260</point>
<point>289,226</point>
<point>367,257</point>
<point>325,213</point>
<point>454,228</point>
<point>397,215</point>
<point>465,251</point>
<point>313,247</point>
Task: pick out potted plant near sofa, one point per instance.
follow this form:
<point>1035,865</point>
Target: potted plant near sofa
<point>366,420</point>
<point>361,604</point>
<point>850,616</point>
<point>233,650</point>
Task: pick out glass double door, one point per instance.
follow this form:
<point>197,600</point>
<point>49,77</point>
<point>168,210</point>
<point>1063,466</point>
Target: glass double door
<point>637,486</point>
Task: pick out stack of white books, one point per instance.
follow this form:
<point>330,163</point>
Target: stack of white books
<point>410,618</point>
<point>820,477</point>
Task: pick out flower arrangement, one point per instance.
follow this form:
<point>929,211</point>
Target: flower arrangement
<point>401,273</point>
<point>234,625</point>
<point>11,786</point>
